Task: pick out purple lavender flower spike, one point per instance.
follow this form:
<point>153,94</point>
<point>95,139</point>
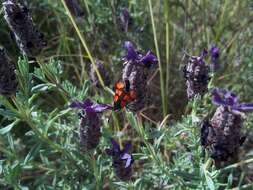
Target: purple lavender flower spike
<point>196,73</point>
<point>122,160</point>
<point>136,69</point>
<point>89,130</point>
<point>222,135</point>
<point>215,54</point>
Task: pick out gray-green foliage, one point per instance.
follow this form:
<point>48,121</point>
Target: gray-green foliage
<point>39,144</point>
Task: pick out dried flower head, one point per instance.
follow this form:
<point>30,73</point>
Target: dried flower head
<point>103,72</point>
<point>8,82</point>
<point>29,40</point>
<point>89,130</point>
<point>221,136</point>
<point>122,160</point>
<point>74,7</point>
<point>215,54</point>
<point>196,75</point>
<point>136,68</point>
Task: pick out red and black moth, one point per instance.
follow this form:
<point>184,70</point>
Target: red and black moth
<point>123,95</point>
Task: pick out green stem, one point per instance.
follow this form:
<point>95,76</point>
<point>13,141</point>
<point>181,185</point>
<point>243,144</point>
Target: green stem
<point>167,19</point>
<point>221,21</point>
<point>27,117</point>
<point>81,37</point>
<point>52,79</point>
<point>237,164</point>
<point>159,59</point>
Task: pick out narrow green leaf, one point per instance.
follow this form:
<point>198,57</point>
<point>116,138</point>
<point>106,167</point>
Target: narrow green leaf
<point>209,182</point>
<point>33,152</point>
<point>8,128</point>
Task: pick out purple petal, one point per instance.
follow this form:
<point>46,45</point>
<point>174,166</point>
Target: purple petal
<point>89,106</point>
<point>217,99</point>
<point>204,53</point>
<point>127,147</point>
<point>149,59</point>
<point>128,159</point>
<point>230,98</point>
<point>215,52</point>
<point>76,104</point>
<point>115,145</point>
<point>131,53</point>
<point>100,107</point>
<point>245,107</point>
<point>81,105</point>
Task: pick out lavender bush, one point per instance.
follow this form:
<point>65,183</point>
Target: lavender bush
<point>58,127</point>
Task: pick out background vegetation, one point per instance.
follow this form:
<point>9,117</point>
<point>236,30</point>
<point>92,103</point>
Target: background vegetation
<point>39,145</point>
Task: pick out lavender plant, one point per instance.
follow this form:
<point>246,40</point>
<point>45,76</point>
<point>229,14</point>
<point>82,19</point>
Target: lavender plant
<point>41,137</point>
<point>222,136</point>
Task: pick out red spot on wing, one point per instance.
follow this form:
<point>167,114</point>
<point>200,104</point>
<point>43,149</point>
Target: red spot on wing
<point>122,97</point>
<point>119,85</point>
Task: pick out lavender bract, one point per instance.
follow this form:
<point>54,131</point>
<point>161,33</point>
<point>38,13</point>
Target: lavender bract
<point>8,82</point>
<point>122,160</point>
<point>136,70</point>
<point>222,134</point>
<point>29,40</point>
<point>89,130</point>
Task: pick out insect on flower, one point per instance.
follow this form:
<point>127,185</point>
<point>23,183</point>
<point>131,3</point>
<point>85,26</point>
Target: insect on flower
<point>123,95</point>
<point>137,67</point>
